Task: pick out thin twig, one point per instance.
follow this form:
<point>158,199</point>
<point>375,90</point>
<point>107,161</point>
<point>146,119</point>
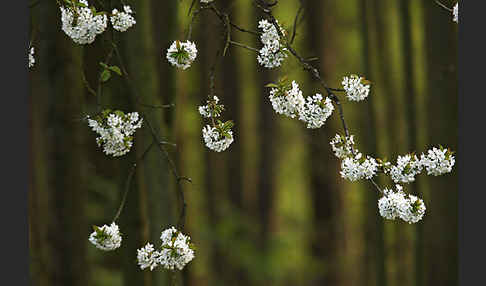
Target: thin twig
<point>244,30</point>
<point>156,138</point>
<point>443,6</point>
<point>129,180</point>
<point>179,179</point>
<point>243,46</point>
<point>86,83</point>
<point>301,7</point>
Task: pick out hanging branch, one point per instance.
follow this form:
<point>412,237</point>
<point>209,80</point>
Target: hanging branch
<point>265,8</point>
<point>129,180</point>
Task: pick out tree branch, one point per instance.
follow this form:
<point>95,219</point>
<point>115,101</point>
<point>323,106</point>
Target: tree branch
<point>265,7</point>
<point>129,180</point>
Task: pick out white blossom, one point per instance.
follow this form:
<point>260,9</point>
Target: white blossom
<point>182,54</point>
<point>272,53</point>
<point>211,109</point>
<point>455,13</point>
<point>81,24</point>
<point>287,102</point>
<point>357,88</point>
<point>148,257</point>
<point>342,146</point>
<point>206,1</point>
<point>407,167</point>
<point>214,140</point>
<point>438,161</point>
<point>31,57</point>
<point>176,251</point>
<point>115,130</point>
<point>414,211</point>
<point>391,203</point>
<point>397,204</point>
<point>121,21</point>
<point>357,167</point>
<point>106,237</point>
<point>316,111</point>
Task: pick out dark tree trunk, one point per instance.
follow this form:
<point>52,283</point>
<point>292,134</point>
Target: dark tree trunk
<point>325,188</point>
<point>441,224</point>
<point>373,264</point>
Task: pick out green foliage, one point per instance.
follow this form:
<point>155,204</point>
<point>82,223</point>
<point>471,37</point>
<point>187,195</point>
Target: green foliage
<point>105,74</point>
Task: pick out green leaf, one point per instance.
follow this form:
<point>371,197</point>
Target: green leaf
<point>271,85</point>
<point>105,75</point>
<point>104,65</point>
<point>79,4</point>
<point>116,70</point>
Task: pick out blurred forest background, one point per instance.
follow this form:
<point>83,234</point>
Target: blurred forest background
<point>272,209</point>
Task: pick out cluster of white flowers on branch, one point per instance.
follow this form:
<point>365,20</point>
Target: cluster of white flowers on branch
<point>354,166</point>
<point>175,252</point>
<point>82,23</point>
<point>357,88</point>
<point>106,237</point>
<point>218,136</point>
<point>407,167</point>
<point>182,54</point>
<point>287,99</point>
<point>438,161</point>
<point>115,130</point>
<point>31,57</point>
<point>121,21</point>
<point>397,204</point>
<point>273,52</point>
<point>358,167</point>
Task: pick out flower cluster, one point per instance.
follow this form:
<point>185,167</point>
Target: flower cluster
<point>273,52</point>
<point>31,57</point>
<point>342,146</point>
<point>212,109</point>
<point>287,99</point>
<point>115,130</point>
<point>182,54</point>
<point>121,21</point>
<point>82,23</point>
<point>358,167</point>
<point>316,111</point>
<point>455,13</point>
<point>438,161</point>
<point>216,138</point>
<point>106,237</point>
<point>219,136</point>
<point>357,88</point>
<point>397,204</point>
<point>175,252</point>
<point>407,167</point>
